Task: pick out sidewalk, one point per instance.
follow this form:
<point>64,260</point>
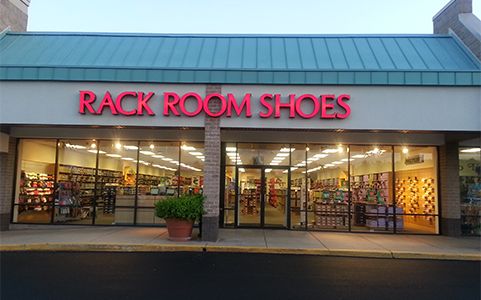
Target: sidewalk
<point>149,239</point>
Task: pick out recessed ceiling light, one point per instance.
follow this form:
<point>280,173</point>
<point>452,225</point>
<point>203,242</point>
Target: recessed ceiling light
<point>114,155</point>
<point>166,159</point>
<point>287,149</point>
<point>230,149</point>
<point>75,146</point>
<point>320,155</point>
<point>127,158</point>
<point>330,151</point>
<point>157,156</point>
<point>128,147</point>
<point>147,152</point>
<point>282,154</point>
<point>471,150</point>
<point>187,148</point>
<point>195,153</point>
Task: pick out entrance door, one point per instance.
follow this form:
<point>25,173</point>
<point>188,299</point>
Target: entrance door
<point>262,196</point>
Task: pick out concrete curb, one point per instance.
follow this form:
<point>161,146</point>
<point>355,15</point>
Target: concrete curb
<point>112,247</point>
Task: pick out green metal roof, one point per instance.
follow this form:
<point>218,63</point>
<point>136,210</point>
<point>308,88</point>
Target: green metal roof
<point>238,59</point>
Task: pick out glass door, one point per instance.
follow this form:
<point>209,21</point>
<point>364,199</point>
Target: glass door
<point>276,197</point>
<point>250,192</point>
<point>262,196</point>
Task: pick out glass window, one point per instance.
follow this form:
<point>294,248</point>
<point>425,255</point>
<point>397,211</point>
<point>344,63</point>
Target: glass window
<point>470,185</point>
<point>77,160</point>
<point>327,172</point>
<point>263,154</point>
<point>371,189</point>
<point>116,182</point>
<point>231,155</point>
<point>229,196</point>
<point>192,168</point>
<point>157,179</point>
<point>35,181</point>
<point>416,189</point>
<point>298,186</point>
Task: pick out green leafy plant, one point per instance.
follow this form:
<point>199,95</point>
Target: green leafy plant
<point>187,207</point>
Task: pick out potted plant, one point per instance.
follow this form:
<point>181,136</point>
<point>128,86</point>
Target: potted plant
<point>180,213</point>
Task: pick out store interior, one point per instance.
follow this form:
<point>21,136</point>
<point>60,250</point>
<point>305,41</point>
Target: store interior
<point>106,193</point>
<point>297,186</point>
<point>390,187</point>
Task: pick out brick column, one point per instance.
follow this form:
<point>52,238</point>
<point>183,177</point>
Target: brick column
<point>7,168</point>
<point>210,220</point>
<point>450,191</point>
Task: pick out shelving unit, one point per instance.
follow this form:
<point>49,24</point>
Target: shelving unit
<point>251,197</point>
<point>77,191</point>
<point>277,192</point>
<point>36,191</point>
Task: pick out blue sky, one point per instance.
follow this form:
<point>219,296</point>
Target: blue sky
<point>237,16</point>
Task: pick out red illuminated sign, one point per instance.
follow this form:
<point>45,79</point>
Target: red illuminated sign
<point>324,106</point>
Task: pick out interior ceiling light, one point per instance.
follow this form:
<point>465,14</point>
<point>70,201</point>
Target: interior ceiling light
<point>75,146</point>
<point>346,159</point>
<point>93,145</point>
<point>152,146</point>
<point>118,146</point>
<point>340,149</point>
<point>330,151</point>
<point>282,154</point>
<point>95,151</point>
<point>337,162</point>
<point>129,147</point>
<point>113,155</point>
<point>287,149</point>
<point>127,158</point>
<point>358,156</point>
<point>274,164</point>
<point>195,153</point>
<point>471,150</point>
<point>311,159</point>
<point>320,155</point>
<point>268,170</point>
<point>147,152</point>
<point>294,168</point>
<point>157,156</point>
<point>405,150</point>
<point>242,170</point>
<point>230,149</point>
<point>187,148</point>
<point>166,159</point>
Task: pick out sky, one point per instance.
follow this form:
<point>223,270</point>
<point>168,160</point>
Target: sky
<point>237,16</point>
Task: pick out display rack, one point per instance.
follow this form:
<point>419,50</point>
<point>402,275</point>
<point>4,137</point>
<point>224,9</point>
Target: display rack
<point>277,192</point>
<point>251,197</point>
<point>36,191</point>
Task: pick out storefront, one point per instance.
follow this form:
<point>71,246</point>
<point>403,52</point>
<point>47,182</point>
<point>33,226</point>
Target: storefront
<point>345,133</point>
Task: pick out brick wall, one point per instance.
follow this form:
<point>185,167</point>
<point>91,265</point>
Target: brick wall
<point>450,191</point>
<point>11,15</point>
<point>7,168</point>
<point>448,19</point>
<point>212,164</point>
